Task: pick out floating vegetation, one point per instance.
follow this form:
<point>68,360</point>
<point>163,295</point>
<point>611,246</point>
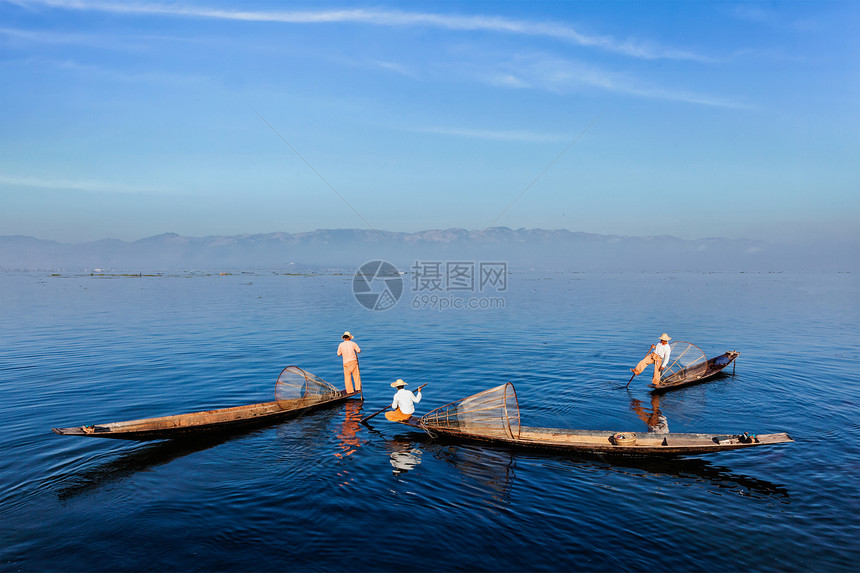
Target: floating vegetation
<point>126,275</point>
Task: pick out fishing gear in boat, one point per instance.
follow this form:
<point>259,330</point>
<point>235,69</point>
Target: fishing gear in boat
<point>297,387</point>
<point>492,416</point>
<point>297,391</point>
<point>686,361</point>
<point>692,367</point>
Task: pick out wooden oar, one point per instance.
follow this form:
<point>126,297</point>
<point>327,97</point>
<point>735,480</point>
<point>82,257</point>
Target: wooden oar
<point>634,374</point>
<point>366,418</point>
<point>631,379</point>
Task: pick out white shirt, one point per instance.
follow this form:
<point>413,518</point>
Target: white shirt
<point>661,427</point>
<point>406,400</point>
<point>663,351</point>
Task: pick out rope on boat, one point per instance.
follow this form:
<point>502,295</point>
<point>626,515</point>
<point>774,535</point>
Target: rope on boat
<point>426,429</point>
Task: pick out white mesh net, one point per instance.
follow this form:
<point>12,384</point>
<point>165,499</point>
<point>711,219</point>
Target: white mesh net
<point>687,362</point>
<point>297,388</point>
<point>492,411</point>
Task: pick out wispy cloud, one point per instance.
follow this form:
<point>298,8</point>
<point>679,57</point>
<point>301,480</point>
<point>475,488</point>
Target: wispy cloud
<point>25,39</point>
<point>394,18</point>
<point>41,37</point>
<point>560,75</point>
<point>772,18</point>
<point>752,13</point>
<point>59,184</point>
<point>393,67</point>
<point>73,67</point>
<point>494,135</point>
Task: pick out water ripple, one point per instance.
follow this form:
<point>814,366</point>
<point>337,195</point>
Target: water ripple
<point>322,492</point>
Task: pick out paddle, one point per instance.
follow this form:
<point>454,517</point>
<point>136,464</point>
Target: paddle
<point>634,374</point>
<point>631,379</point>
<point>366,418</point>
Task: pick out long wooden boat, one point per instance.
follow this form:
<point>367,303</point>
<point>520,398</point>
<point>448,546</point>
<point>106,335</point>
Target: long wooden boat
<point>296,392</point>
<point>493,416</point>
<point>696,374</point>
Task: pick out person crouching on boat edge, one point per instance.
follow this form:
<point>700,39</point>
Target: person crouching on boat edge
<point>350,350</point>
<point>658,356</point>
<point>404,402</point>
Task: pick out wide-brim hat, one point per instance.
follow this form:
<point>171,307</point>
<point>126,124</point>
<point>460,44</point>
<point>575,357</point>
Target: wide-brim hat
<point>665,337</point>
<point>347,335</point>
<point>398,383</point>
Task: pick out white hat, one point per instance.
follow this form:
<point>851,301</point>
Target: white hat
<point>398,383</point>
<point>665,337</point>
<point>347,335</point>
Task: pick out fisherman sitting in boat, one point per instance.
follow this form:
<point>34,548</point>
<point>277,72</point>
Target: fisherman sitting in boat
<point>404,402</point>
<point>658,356</point>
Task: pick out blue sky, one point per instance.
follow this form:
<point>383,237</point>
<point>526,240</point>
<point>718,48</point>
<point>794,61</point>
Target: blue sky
<point>696,119</point>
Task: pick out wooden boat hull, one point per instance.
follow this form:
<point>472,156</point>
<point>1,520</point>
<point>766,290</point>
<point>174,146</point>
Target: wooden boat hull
<point>603,442</point>
<point>711,370</point>
<point>195,423</point>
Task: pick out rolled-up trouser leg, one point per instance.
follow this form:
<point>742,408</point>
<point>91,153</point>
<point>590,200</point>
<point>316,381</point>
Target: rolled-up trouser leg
<point>396,415</point>
<point>348,369</point>
<point>655,380</point>
<point>643,363</point>
<point>356,377</point>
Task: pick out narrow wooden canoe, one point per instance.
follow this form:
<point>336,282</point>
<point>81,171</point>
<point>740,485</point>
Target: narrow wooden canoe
<point>604,442</point>
<point>296,391</point>
<point>493,416</point>
<point>683,378</point>
<point>185,425</point>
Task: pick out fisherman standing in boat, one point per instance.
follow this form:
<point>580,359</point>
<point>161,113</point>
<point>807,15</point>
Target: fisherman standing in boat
<point>404,402</point>
<point>350,350</point>
<point>656,420</point>
<point>658,356</point>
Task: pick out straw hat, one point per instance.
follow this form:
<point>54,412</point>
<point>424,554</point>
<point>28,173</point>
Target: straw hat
<point>347,335</point>
<point>665,337</point>
<point>398,383</point>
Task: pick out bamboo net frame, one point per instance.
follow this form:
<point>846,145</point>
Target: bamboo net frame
<point>297,388</point>
<point>492,411</point>
<point>686,362</point>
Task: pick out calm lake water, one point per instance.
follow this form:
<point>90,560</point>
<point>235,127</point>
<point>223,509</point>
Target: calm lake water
<point>323,493</point>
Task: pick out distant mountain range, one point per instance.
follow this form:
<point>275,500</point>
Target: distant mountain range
<point>346,249</point>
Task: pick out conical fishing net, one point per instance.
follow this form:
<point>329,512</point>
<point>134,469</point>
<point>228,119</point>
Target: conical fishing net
<point>492,411</point>
<point>297,388</point>
<point>686,362</point>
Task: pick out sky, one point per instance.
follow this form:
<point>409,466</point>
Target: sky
<point>694,119</point>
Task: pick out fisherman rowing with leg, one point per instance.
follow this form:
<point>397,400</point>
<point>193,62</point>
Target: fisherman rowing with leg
<point>658,356</point>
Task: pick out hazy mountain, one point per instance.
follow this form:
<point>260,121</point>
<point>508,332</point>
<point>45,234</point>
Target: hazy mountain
<point>347,249</point>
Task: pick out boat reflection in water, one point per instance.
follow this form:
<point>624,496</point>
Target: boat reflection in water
<point>654,418</point>
<point>128,463</point>
<point>492,469</point>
